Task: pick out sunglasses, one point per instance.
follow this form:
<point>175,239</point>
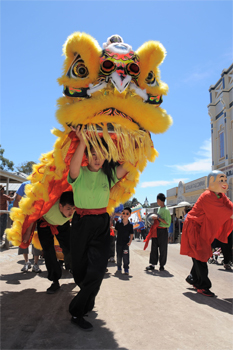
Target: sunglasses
<point>125,213</point>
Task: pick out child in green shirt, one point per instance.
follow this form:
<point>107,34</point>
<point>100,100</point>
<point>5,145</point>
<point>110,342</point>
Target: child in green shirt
<point>90,233</point>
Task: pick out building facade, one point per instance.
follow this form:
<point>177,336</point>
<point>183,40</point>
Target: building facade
<point>221,115</point>
<point>188,192</point>
<point>220,111</point>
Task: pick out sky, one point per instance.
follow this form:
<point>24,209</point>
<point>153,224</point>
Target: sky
<point>197,36</point>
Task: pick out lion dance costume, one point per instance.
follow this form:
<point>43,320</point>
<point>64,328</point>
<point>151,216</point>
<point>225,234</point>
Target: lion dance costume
<point>115,94</point>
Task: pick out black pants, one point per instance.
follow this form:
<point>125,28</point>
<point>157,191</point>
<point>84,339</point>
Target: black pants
<point>227,250</point>
<point>90,241</point>
<point>112,247</point>
<point>47,243</point>
<point>200,274</point>
<point>123,253</point>
<point>159,247</point>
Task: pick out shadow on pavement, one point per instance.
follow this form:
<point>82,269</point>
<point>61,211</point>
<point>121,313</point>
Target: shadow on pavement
<point>122,276</point>
<point>224,305</point>
<point>158,273</point>
<point>225,270</point>
<point>36,320</point>
<point>15,278</point>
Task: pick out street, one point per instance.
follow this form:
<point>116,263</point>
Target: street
<point>142,311</point>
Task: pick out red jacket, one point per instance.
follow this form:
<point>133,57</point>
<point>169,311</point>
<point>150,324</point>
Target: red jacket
<point>208,219</point>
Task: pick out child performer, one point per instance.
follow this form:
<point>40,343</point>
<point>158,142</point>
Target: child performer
<point>90,233</point>
<point>55,222</point>
<point>210,218</point>
<point>159,243</point>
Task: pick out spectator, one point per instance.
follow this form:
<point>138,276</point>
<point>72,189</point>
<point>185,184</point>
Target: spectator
<point>3,206</point>
<point>35,252</point>
<point>181,223</point>
<point>170,231</point>
<point>124,239</point>
<point>112,249</point>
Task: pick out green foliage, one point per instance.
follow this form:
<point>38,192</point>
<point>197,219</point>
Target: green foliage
<point>5,164</point>
<point>131,203</point>
<point>26,167</point>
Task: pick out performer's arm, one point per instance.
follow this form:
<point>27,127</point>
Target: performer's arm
<point>76,160</point>
<point>120,171</point>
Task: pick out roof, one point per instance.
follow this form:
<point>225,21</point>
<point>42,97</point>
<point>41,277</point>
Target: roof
<point>11,180</point>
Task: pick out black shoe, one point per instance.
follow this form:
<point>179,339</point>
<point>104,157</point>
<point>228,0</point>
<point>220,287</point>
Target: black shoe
<point>148,268</point>
<point>189,279</point>
<point>53,288</point>
<point>83,324</point>
<point>161,268</point>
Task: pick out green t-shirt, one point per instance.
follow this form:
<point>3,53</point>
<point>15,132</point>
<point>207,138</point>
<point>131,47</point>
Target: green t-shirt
<point>55,217</point>
<point>165,215</point>
<point>91,189</point>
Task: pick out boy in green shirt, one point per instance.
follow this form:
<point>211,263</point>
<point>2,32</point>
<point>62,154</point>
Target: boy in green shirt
<point>159,244</point>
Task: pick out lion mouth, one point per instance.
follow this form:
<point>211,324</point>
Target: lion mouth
<point>113,112</point>
<point>122,145</point>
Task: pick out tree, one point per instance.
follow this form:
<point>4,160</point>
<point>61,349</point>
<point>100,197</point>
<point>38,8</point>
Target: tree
<point>131,203</point>
<point>134,202</point>
<point>26,167</point>
<point>128,204</point>
<point>5,164</point>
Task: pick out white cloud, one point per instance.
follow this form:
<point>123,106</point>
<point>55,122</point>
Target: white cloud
<point>199,165</point>
<point>197,76</point>
<point>161,183</point>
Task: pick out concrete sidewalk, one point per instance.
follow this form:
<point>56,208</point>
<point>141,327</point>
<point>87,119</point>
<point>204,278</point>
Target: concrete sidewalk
<point>142,311</point>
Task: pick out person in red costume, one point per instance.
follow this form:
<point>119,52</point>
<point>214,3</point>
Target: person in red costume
<point>210,218</point>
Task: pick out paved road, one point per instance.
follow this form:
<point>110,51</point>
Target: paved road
<point>142,311</point>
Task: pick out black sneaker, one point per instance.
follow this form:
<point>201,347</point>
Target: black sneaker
<point>227,266</point>
<point>82,323</point>
<point>189,279</point>
<point>53,288</point>
<point>161,268</point>
<point>149,268</point>
<point>206,292</point>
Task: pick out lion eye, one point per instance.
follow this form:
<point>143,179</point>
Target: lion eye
<point>79,70</point>
<point>107,67</point>
<point>133,69</point>
<point>150,80</point>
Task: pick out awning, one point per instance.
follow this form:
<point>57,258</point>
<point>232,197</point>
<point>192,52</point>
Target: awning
<point>14,179</point>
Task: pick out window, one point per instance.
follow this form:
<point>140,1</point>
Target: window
<point>221,143</point>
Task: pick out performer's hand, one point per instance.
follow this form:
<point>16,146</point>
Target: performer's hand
<point>78,133</point>
<point>154,217</point>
